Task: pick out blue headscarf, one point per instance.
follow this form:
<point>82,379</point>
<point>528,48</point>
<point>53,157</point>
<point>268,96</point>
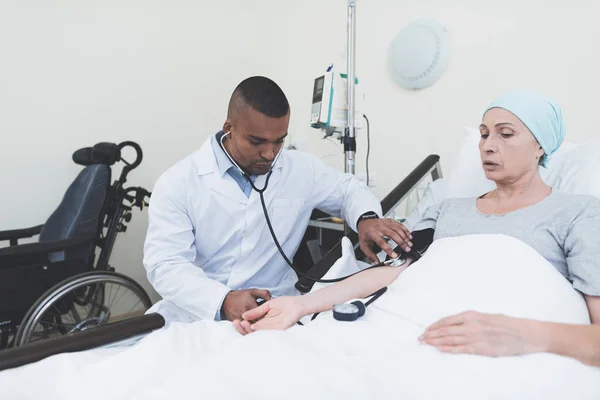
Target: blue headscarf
<point>540,114</point>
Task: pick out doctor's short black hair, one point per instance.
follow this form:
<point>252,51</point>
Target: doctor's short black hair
<point>260,93</point>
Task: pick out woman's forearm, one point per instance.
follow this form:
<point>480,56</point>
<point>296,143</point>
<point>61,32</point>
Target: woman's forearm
<point>581,342</point>
<point>358,286</point>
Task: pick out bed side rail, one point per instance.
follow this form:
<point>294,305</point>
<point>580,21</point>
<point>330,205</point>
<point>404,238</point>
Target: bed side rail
<point>430,165</point>
<point>90,339</point>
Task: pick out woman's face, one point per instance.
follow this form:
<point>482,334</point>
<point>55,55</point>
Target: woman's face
<point>508,149</point>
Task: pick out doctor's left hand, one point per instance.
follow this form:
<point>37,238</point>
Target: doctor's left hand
<point>491,335</point>
<point>280,313</point>
<point>239,301</point>
<point>374,231</point>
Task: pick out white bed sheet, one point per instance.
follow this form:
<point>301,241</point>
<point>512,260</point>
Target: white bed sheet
<point>377,357</point>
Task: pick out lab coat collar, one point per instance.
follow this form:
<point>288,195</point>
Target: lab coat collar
<point>206,162</point>
<point>206,159</point>
<point>223,162</point>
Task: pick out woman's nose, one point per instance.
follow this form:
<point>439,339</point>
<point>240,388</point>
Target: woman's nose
<point>489,144</point>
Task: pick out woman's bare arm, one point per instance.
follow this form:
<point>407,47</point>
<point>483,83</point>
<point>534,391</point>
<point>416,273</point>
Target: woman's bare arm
<point>581,342</point>
<point>285,311</point>
<point>356,287</point>
<point>501,335</point>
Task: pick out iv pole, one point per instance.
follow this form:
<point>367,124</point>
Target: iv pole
<point>322,267</point>
<point>350,133</point>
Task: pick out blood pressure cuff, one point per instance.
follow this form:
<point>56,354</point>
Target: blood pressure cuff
<point>421,241</point>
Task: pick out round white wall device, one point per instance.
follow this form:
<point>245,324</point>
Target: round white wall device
<point>420,54</point>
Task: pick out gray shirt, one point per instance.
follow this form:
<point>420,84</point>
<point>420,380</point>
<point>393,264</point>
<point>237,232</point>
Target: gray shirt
<point>563,228</point>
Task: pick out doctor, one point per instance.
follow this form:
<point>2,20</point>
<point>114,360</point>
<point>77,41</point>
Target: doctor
<point>208,251</point>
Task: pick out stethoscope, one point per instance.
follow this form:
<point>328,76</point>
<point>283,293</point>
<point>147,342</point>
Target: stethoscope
<point>342,309</point>
<point>260,191</point>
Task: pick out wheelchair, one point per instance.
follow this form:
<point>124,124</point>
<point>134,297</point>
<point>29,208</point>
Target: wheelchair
<point>63,283</point>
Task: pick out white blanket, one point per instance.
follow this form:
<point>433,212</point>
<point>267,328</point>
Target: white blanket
<point>376,357</point>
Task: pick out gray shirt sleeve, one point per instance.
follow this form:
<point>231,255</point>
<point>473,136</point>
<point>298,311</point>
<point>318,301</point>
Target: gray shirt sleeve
<point>582,250</point>
<point>430,217</point>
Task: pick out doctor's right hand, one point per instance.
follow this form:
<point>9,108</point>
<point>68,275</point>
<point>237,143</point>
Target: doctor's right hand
<point>280,313</point>
<point>238,302</point>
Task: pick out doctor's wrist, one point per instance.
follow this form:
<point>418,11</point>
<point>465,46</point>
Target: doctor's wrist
<point>367,215</point>
<point>222,315</point>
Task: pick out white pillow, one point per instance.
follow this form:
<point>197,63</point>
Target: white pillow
<point>572,169</point>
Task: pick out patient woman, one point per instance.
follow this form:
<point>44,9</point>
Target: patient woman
<point>519,133</point>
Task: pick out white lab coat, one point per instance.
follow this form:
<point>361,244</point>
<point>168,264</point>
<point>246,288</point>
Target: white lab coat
<point>206,238</point>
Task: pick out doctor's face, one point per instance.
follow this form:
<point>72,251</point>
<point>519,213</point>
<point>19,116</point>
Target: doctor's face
<point>255,139</point>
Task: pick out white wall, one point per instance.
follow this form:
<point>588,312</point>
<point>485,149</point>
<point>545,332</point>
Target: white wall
<point>73,73</point>
<point>546,44</point>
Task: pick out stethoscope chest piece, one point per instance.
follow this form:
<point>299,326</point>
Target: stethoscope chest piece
<point>348,312</point>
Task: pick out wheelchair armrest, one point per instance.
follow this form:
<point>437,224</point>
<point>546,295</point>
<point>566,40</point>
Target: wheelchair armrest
<point>39,252</point>
<point>429,165</point>
<point>15,234</point>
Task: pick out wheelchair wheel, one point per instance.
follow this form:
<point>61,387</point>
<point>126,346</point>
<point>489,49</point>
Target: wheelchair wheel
<point>80,303</point>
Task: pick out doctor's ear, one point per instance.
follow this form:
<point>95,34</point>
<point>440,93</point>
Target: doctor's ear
<point>227,127</point>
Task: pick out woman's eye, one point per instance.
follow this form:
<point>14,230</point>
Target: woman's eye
<point>485,135</point>
<point>507,135</point>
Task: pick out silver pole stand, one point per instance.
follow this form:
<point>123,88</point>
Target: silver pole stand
<point>350,134</point>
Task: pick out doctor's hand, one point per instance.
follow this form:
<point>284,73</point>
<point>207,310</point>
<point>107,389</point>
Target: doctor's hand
<point>238,302</point>
<point>491,335</point>
<point>280,313</point>
<point>373,232</point>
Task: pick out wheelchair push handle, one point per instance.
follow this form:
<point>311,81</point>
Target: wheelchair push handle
<point>109,154</point>
<point>138,158</point>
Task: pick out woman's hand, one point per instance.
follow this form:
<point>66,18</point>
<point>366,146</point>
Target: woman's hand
<point>491,335</point>
<point>279,313</point>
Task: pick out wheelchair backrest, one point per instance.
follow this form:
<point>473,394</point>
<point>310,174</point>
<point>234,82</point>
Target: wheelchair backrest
<point>80,211</point>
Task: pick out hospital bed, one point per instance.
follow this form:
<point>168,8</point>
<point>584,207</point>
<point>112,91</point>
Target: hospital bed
<point>429,168</point>
<point>573,169</point>
<point>62,282</point>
